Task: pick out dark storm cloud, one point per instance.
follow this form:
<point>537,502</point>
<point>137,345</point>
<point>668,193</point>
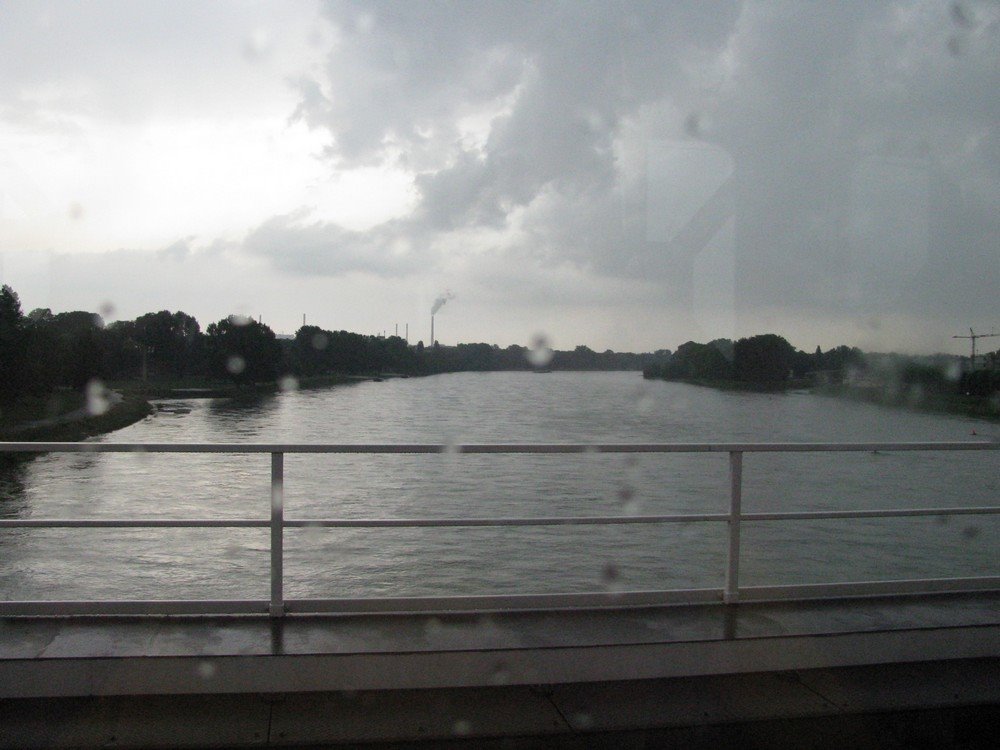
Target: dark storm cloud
<point>851,145</point>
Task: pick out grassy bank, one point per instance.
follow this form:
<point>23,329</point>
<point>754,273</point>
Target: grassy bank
<point>70,426</point>
<point>936,403</point>
<point>739,385</point>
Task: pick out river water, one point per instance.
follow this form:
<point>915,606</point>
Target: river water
<point>499,407</point>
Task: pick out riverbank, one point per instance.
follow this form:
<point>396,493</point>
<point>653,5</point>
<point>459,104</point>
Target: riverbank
<point>78,423</point>
<point>65,416</point>
<point>934,403</point>
<point>738,385</point>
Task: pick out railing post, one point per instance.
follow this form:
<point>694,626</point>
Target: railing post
<point>731,594</point>
<point>277,607</point>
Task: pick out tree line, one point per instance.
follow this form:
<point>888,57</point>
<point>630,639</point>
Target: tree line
<point>41,351</point>
<point>766,359</point>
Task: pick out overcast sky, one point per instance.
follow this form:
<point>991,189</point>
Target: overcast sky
<point>615,174</point>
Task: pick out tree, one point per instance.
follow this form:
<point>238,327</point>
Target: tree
<point>13,342</point>
<point>80,347</point>
<point>245,352</point>
<point>767,358</point>
<point>310,351</point>
<point>170,340</point>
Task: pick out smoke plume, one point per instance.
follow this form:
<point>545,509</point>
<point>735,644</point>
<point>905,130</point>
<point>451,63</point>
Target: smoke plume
<point>439,302</point>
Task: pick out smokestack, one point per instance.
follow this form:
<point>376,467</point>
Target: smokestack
<point>438,304</point>
<point>407,333</point>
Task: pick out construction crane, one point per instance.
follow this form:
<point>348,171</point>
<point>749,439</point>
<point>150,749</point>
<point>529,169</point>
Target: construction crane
<point>973,336</point>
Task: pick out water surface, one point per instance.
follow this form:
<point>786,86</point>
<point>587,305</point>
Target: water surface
<point>506,408</point>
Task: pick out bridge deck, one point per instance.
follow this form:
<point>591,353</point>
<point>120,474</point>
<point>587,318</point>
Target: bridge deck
<point>393,677</point>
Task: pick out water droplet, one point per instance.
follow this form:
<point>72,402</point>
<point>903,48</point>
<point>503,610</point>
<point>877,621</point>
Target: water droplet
<point>953,371</point>
<point>98,398</point>
<point>239,320</point>
<point>956,45</point>
<point>610,575</point>
<point>961,16</point>
<point>433,627</point>
<point>462,728</point>
<point>236,364</point>
<point>540,353</point>
<point>970,532</point>
<point>644,404</point>
<point>206,670</point>
<point>107,309</point>
<point>257,46</point>
<point>75,211</point>
<point>288,383</point>
<point>500,675</point>
<point>313,534</point>
<point>697,125</point>
<point>629,502</point>
<point>583,720</point>
<point>320,341</point>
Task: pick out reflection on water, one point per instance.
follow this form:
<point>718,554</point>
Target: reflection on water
<point>498,407</point>
<point>13,498</point>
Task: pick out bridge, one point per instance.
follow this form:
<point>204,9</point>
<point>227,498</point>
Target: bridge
<point>284,670</point>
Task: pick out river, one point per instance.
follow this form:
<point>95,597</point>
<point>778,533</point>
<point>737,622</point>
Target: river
<point>499,407</point>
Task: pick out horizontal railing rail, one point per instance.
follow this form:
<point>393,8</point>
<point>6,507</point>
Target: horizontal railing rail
<point>278,605</point>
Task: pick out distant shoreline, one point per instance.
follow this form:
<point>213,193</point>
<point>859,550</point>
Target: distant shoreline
<point>987,408</point>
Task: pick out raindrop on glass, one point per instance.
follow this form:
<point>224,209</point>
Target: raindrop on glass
<point>499,675</point>
<point>961,16</point>
<point>206,670</point>
<point>236,364</point>
<point>288,383</point>
<point>98,398</point>
<point>583,720</point>
<point>75,211</point>
<point>644,404</point>
<point>540,353</point>
<point>239,320</point>
<point>629,502</point>
<point>970,532</point>
<point>320,341</point>
<point>257,46</point>
<point>610,576</point>
<point>313,534</point>
<point>697,125</point>
<point>462,728</point>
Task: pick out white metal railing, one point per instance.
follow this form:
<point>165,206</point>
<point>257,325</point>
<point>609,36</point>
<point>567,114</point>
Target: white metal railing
<point>277,605</point>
